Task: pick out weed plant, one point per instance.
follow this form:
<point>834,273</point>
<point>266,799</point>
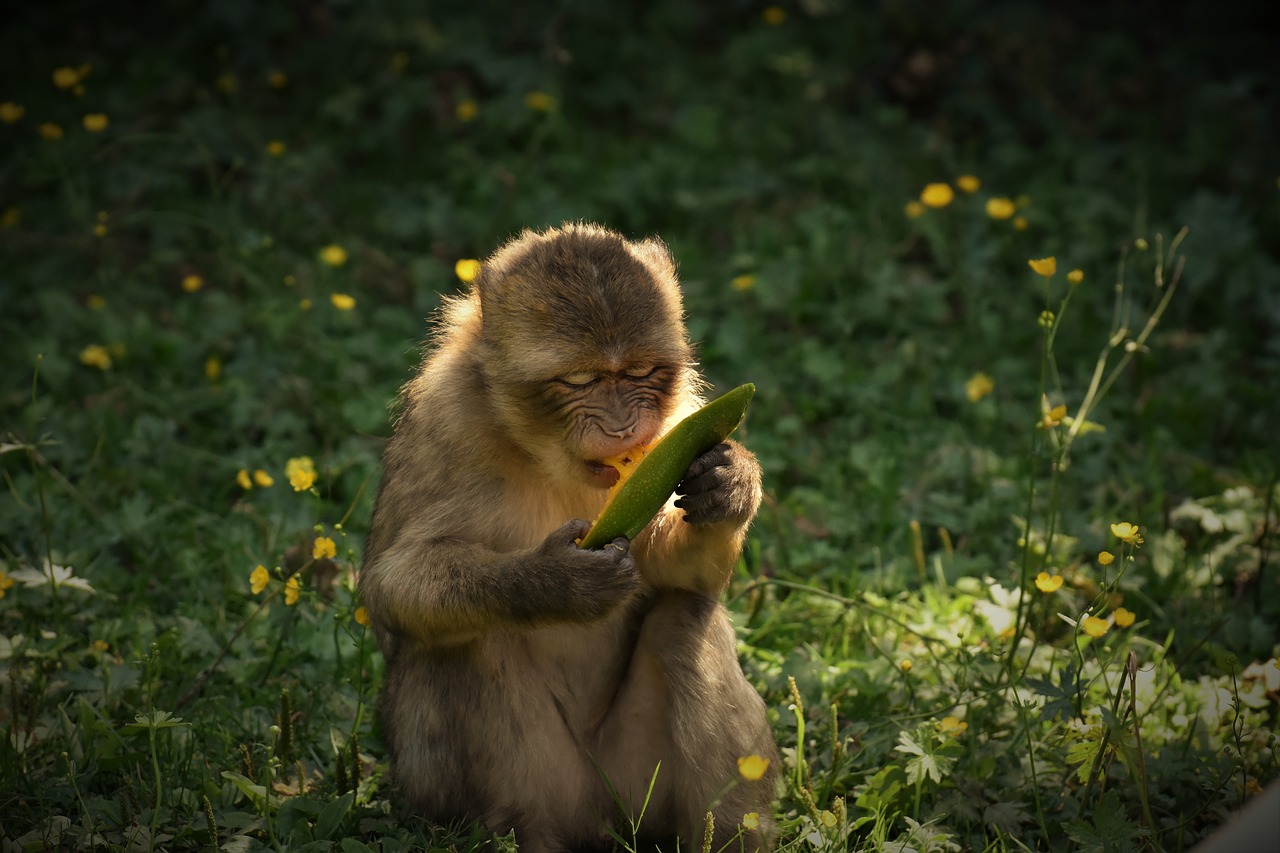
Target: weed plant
<point>1005,282</point>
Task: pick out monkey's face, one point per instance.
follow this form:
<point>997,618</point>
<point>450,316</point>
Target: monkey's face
<point>570,419</point>
<point>607,413</point>
<point>585,353</point>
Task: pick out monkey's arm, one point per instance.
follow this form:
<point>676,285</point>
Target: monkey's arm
<point>695,544</point>
<point>445,591</point>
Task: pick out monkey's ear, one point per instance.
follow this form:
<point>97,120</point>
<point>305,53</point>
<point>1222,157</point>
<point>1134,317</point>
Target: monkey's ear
<point>655,255</point>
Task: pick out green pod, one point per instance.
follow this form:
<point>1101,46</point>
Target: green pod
<point>658,474</point>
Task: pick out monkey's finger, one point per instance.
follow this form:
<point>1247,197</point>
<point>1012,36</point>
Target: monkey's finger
<point>716,457</point>
<point>569,532</point>
<point>700,484</point>
<point>701,507</point>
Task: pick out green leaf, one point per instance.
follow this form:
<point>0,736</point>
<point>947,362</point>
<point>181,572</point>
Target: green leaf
<point>256,793</point>
<point>1061,696</point>
<point>883,789</point>
<point>296,813</point>
<point>333,815</point>
<point>929,762</point>
<point>1109,830</point>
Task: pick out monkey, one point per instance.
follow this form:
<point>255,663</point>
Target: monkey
<point>532,685</point>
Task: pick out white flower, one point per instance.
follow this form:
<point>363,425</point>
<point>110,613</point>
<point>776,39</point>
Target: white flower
<point>51,575</point>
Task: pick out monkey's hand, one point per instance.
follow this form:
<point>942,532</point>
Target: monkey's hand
<point>563,581</point>
<point>721,485</point>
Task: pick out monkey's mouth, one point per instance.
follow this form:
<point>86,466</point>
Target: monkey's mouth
<point>601,474</point>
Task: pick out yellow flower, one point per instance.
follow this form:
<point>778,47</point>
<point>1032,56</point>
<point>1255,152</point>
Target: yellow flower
<point>968,183</point>
<point>937,195</point>
<point>305,304</point>
<point>751,820</point>
<point>11,113</point>
<point>227,83</point>
<point>263,479</point>
<point>96,122</point>
<point>978,386</point>
<point>342,301</point>
<point>362,616</point>
<point>774,15</point>
<point>96,355</point>
<point>1053,417</point>
<point>292,589</point>
<point>324,548</point>
<point>96,302</point>
<point>100,645</point>
<point>752,767</point>
<point>1075,276</point>
<point>276,148</point>
<point>5,582</point>
<point>743,283</point>
<point>1048,583</point>
<point>1044,266</point>
<point>212,368</point>
<point>192,283</point>
<point>301,472</point>
<point>913,209</point>
<point>277,79</point>
<point>1045,320</point>
<point>1127,532</point>
<point>467,269</point>
<point>1105,558</point>
<point>1124,618</point>
<point>1020,223</point>
<point>333,255</point>
<point>539,102</point>
<point>243,479</point>
<point>258,579</point>
<point>1000,208</point>
<point>289,280</point>
<point>904,665</point>
<point>1140,244</point>
<point>828,819</point>
<point>100,230</point>
<point>1095,627</point>
<point>952,726</point>
<point>66,77</point>
<point>49,130</point>
<point>467,110</point>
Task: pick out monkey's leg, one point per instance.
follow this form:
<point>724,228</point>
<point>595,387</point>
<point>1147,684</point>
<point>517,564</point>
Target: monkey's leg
<point>686,703</point>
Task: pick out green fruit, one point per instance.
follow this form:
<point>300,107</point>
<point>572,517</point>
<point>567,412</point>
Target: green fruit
<point>657,475</point>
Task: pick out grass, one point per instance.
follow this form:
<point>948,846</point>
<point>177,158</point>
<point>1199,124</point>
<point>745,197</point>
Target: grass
<point>228,267</point>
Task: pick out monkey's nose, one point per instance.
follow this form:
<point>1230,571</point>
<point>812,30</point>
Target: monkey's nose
<point>620,431</point>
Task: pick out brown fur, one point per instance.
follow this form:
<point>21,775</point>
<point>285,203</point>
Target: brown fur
<point>525,676</point>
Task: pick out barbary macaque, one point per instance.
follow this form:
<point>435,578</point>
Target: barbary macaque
<point>531,684</point>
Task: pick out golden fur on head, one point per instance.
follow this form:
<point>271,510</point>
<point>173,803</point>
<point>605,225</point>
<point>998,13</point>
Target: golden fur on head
<point>584,286</point>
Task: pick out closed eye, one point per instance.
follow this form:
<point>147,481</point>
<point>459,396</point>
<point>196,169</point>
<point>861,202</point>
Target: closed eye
<point>640,372</point>
<point>578,380</point>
